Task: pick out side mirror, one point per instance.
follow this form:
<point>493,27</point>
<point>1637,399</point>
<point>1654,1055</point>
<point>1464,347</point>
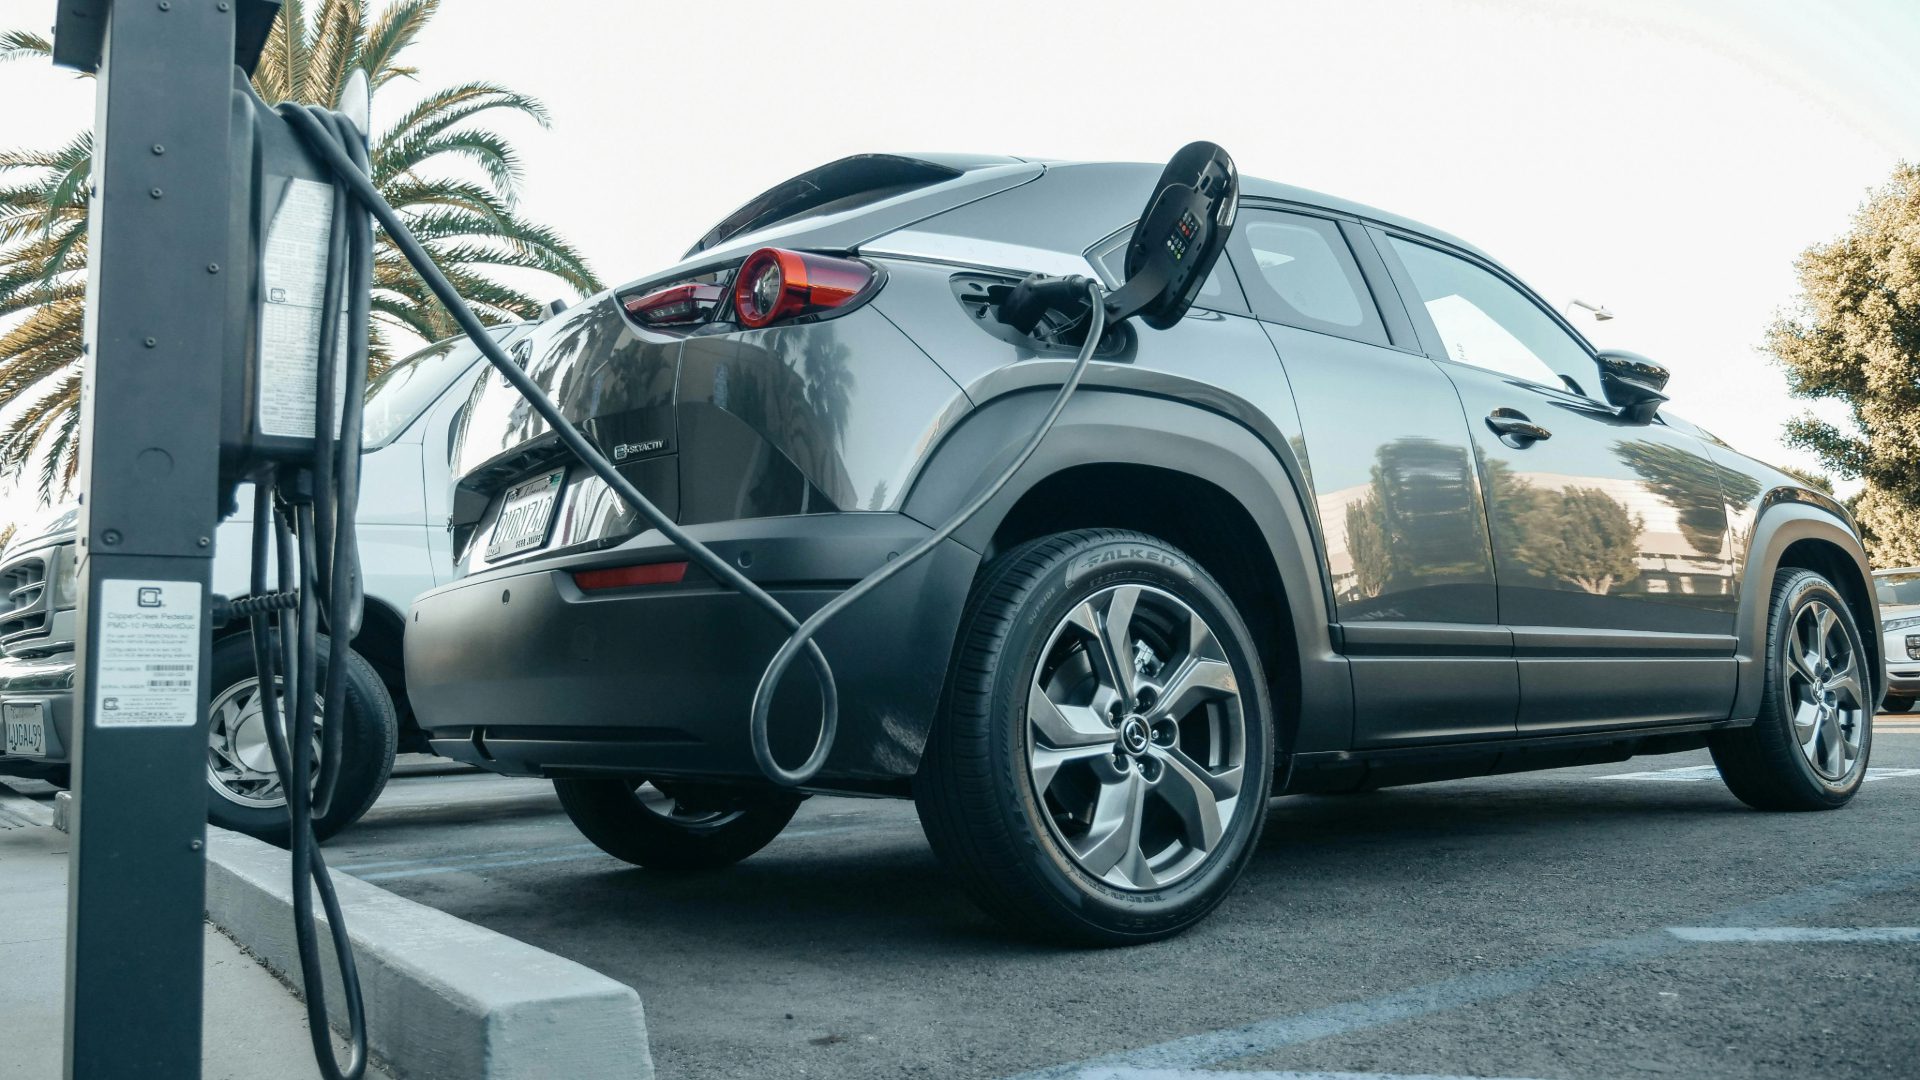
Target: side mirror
<point>1632,383</point>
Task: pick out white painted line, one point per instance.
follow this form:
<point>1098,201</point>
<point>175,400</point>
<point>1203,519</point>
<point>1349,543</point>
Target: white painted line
<point>1266,1036</point>
<point>1211,1074</point>
<point>1689,774</point>
<point>1694,773</point>
<point>435,860</point>
<point>1878,935</point>
<point>500,864</point>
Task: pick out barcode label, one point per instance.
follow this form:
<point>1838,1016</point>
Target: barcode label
<point>148,669</point>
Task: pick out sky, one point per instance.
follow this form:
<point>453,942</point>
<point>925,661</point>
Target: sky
<point>1665,158</point>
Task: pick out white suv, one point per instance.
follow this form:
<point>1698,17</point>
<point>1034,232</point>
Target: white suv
<point>1899,591</point>
<point>413,412</point>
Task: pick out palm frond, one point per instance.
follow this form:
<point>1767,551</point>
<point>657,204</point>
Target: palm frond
<point>282,70</point>
<point>483,148</point>
<point>23,45</point>
<point>337,35</point>
<point>407,195</point>
<point>442,109</point>
<point>466,221</point>
<point>392,32</point>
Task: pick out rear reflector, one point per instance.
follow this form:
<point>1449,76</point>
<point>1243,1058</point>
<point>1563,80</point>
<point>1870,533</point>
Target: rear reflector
<point>626,577</point>
<point>675,304</point>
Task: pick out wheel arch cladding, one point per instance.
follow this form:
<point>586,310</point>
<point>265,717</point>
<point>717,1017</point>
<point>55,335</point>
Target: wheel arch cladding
<point>1796,535</point>
<point>1189,476</point>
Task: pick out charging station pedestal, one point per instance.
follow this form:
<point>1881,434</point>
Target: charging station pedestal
<point>156,303</point>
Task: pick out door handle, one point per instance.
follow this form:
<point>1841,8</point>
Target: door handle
<point>1515,429</point>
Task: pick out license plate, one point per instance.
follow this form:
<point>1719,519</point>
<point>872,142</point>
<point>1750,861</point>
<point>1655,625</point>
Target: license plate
<point>26,728</point>
<point>526,512</point>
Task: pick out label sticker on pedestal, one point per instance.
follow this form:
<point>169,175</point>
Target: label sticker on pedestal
<point>148,670</point>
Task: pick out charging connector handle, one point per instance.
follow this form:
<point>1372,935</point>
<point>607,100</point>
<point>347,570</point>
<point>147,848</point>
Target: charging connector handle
<point>1028,302</point>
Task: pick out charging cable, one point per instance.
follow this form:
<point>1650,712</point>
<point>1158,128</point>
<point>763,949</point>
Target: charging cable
<point>308,516</point>
<point>800,634</point>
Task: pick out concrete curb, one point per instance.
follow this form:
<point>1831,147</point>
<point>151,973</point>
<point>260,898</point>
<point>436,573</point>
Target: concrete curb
<point>444,998</point>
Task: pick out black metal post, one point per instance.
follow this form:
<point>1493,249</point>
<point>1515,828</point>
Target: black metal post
<point>156,305</point>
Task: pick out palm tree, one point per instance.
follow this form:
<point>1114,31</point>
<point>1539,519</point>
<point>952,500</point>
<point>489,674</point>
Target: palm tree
<point>452,180</point>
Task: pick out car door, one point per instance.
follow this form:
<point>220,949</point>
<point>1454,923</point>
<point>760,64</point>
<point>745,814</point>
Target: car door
<point>1390,464</point>
<point>1610,537</point>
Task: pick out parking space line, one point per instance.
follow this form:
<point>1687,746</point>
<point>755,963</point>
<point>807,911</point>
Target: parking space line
<point>1287,1075</point>
<point>498,864</point>
<point>1211,1074</point>
<point>1265,1036</point>
<point>1687,774</point>
<point>1794,934</point>
<point>434,860</point>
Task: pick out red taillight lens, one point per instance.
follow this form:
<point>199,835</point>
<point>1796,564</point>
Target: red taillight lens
<point>675,304</point>
<point>626,577</point>
<point>774,284</point>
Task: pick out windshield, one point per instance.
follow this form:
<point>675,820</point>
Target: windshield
<point>1898,589</point>
<point>397,396</point>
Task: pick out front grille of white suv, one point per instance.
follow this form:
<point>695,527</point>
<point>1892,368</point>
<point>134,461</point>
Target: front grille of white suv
<point>25,604</point>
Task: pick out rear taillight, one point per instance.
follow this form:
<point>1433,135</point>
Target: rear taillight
<point>774,285</point>
<point>675,304</point>
<point>627,577</point>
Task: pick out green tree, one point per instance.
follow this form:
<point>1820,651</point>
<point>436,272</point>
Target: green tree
<point>1815,480</point>
<point>453,180</point>
<point>1855,338</point>
<point>1697,488</point>
<point>1582,536</point>
<point>1368,546</point>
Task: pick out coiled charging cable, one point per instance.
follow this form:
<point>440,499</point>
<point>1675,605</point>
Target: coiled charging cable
<point>800,634</point>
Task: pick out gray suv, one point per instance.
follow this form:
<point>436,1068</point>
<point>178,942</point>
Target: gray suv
<point>1373,513</point>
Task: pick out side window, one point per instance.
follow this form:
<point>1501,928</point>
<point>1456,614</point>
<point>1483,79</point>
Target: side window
<point>1299,271</point>
<point>1485,322</point>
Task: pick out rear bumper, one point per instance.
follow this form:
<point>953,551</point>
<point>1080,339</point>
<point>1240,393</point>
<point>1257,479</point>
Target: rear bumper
<point>517,670</point>
<point>47,681</point>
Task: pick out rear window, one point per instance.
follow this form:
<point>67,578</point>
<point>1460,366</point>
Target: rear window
<point>397,396</point>
<point>838,186</point>
<point>1897,589</point>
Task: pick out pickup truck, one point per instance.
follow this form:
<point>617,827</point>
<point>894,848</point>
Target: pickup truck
<point>413,413</point>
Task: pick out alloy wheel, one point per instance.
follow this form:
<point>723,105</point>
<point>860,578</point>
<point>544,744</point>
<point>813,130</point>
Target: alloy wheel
<point>239,760</point>
<point>1137,737</point>
<point>1826,687</point>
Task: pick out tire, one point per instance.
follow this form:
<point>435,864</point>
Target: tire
<point>676,827</point>
<point>1897,705</point>
<point>1808,748</point>
<point>237,800</point>
<point>1023,819</point>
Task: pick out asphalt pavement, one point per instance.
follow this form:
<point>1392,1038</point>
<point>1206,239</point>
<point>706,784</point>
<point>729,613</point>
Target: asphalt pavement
<point>1609,921</point>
